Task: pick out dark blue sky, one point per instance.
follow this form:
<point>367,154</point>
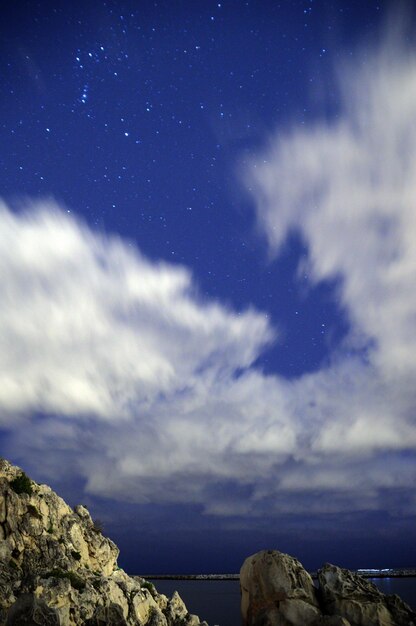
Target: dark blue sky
<point>223,140</point>
<point>137,115</point>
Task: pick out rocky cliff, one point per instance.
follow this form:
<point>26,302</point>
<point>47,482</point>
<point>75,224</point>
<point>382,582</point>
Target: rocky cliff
<point>57,569</point>
<point>277,591</point>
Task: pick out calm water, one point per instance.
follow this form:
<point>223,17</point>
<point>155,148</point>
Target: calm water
<point>218,601</point>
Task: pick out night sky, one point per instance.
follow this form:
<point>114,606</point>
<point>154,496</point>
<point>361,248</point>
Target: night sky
<point>208,270</point>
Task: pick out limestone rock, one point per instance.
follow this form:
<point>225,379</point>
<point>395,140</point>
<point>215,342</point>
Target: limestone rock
<point>41,531</point>
<point>359,601</point>
<point>176,607</point>
<point>157,618</point>
<point>57,569</point>
<point>277,591</point>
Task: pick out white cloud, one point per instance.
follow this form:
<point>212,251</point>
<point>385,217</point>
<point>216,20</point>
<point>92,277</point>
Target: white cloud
<point>349,187</point>
<point>90,327</point>
<point>122,370</point>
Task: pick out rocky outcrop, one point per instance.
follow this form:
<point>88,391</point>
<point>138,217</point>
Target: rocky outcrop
<point>344,593</point>
<point>57,569</point>
<point>277,591</point>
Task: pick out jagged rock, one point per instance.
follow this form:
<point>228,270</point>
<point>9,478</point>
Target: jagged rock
<point>41,531</point>
<point>277,591</point>
<point>57,569</point>
<point>359,601</point>
<point>176,607</point>
<point>157,618</point>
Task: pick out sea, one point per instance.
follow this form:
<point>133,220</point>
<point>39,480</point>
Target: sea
<point>218,601</point>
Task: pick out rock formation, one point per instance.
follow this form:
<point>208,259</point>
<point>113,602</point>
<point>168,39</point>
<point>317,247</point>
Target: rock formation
<point>57,569</point>
<point>344,593</point>
<point>277,591</point>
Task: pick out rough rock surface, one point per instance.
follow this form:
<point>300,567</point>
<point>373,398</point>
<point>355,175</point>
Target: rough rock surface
<point>277,591</point>
<point>57,569</point>
<point>359,601</point>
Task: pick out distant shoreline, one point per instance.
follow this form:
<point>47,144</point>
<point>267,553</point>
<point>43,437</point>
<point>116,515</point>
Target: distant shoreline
<point>393,573</point>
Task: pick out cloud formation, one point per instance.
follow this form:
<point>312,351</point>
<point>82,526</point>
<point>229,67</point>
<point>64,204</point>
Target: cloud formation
<point>90,327</point>
<point>121,369</point>
<point>348,187</point>
<point>117,367</point>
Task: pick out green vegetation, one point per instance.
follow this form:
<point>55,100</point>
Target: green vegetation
<point>76,555</point>
<point>22,484</point>
<point>76,581</point>
<point>50,529</point>
<point>13,564</point>
<point>150,586</point>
